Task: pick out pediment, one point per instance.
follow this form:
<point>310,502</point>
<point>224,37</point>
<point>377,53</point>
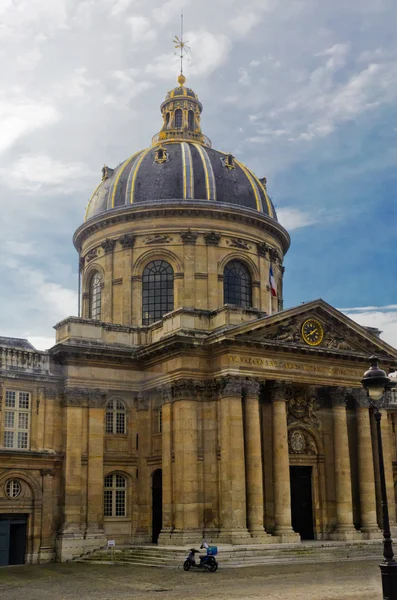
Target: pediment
<point>340,334</point>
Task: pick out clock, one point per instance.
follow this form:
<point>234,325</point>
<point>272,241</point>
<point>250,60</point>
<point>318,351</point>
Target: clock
<point>312,332</point>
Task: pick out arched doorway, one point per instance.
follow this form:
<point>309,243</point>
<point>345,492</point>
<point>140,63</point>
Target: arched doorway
<point>157,504</point>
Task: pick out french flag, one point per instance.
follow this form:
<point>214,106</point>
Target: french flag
<point>272,283</point>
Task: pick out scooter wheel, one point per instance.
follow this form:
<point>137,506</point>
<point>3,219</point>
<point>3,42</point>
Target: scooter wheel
<point>186,565</point>
<point>214,567</point>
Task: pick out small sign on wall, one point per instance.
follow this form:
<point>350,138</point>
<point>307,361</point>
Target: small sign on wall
<point>111,543</point>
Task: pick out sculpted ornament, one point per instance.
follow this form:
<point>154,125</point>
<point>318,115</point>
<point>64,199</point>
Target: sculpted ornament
<point>91,255</point>
<point>302,406</point>
<point>212,238</point>
<point>300,442</point>
<point>108,245</point>
<point>189,237</point>
<point>158,238</point>
<point>127,241</point>
<point>239,243</point>
<point>230,386</point>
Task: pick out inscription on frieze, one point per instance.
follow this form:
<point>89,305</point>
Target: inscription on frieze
<point>276,364</point>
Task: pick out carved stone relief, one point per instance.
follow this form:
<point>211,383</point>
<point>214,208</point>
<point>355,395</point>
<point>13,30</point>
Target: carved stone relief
<point>189,237</point>
<point>158,238</point>
<point>300,442</point>
<point>108,245</point>
<point>212,238</point>
<point>127,241</point>
<point>302,407</point>
<point>91,254</point>
<point>238,243</point>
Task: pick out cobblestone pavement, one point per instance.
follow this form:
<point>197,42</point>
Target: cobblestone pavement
<point>70,581</point>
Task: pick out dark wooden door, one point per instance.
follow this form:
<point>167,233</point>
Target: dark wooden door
<point>17,543</point>
<point>301,501</point>
<point>157,505</point>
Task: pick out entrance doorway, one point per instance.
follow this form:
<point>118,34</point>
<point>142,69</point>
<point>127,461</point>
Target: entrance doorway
<point>301,501</point>
<point>157,504</point>
<point>12,539</point>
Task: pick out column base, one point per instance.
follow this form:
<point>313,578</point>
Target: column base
<point>372,532</point>
<point>46,554</point>
<point>345,534</point>
<point>287,535</point>
<point>234,536</point>
<point>259,536</point>
<point>181,537</point>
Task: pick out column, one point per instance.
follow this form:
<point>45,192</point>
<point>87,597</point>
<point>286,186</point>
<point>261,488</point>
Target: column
<point>281,474</point>
<point>343,485</point>
<point>232,464</point>
<point>96,427</point>
<point>166,464</point>
<point>253,461</point>
<point>366,474</point>
<point>143,489</point>
<point>186,513</point>
<point>47,516</point>
<point>388,459</point>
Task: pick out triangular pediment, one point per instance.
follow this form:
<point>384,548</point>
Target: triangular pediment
<point>302,327</point>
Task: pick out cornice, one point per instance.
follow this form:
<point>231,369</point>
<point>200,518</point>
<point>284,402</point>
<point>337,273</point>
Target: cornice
<point>178,208</point>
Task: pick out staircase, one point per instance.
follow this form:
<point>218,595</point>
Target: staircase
<point>241,556</point>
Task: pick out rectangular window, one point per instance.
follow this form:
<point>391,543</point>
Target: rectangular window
<point>17,421</point>
<point>109,422</point>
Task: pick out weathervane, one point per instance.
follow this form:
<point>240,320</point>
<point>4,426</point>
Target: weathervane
<point>181,45</point>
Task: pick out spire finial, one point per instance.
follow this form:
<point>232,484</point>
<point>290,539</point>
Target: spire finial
<point>183,47</point>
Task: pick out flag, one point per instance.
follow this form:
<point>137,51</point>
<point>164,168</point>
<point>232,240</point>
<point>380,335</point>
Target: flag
<point>272,283</point>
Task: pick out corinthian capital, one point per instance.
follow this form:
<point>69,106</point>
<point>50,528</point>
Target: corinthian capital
<point>230,386</point>
<point>252,387</point>
<point>338,396</point>
<point>281,391</point>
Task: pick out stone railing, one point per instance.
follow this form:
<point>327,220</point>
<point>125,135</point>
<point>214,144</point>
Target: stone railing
<point>15,359</point>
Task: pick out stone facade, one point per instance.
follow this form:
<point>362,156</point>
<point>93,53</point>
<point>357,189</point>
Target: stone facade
<point>229,421</point>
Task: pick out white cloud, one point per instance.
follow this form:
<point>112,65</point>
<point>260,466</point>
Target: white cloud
<point>169,11</point>
<point>119,6</point>
<point>141,29</point>
<point>244,22</point>
<point>382,317</point>
<point>293,218</point>
<point>20,117</point>
<point>35,173</point>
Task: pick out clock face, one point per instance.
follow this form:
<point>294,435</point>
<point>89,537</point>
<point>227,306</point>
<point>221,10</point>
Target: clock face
<point>312,332</point>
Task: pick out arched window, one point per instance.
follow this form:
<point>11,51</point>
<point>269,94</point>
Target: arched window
<point>167,119</point>
<point>95,296</point>
<point>178,119</point>
<point>157,291</point>
<point>237,286</point>
<point>191,120</point>
<point>115,417</point>
<point>114,495</point>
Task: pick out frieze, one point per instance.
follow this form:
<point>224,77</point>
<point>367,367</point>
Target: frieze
<point>189,237</point>
<point>212,238</point>
<point>289,365</point>
<point>300,442</point>
<point>75,396</point>
<point>127,241</point>
<point>302,407</point>
<point>108,245</point>
<point>238,243</point>
<point>158,238</point>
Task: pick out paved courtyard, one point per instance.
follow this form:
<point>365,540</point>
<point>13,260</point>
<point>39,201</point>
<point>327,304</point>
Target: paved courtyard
<point>70,581</point>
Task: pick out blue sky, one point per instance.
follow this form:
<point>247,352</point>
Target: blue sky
<point>303,91</point>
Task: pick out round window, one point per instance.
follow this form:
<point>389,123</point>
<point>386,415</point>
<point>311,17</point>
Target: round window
<point>13,488</point>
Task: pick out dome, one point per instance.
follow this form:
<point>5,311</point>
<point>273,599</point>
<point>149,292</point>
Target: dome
<point>180,165</point>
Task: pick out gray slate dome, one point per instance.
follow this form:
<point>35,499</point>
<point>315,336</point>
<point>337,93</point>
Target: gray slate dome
<point>180,165</point>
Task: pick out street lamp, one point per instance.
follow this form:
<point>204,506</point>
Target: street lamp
<point>376,382</point>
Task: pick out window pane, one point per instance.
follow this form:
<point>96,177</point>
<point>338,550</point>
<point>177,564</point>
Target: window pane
<point>95,296</point>
<point>23,420</point>
<point>23,400</point>
<point>9,419</point>
<point>237,285</point>
<point>120,503</point>
<point>108,481</point>
<point>157,291</point>
<point>22,439</point>
<point>107,503</point>
<point>8,439</point>
<point>109,422</point>
<point>120,481</point>
<point>10,399</point>
<point>120,422</point>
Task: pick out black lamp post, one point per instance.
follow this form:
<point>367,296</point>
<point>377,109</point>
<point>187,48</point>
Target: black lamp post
<point>376,382</point>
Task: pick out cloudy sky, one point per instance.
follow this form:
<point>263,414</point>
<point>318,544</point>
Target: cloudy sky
<point>303,91</point>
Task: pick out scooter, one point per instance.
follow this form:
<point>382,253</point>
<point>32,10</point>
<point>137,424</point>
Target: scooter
<point>207,561</point>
